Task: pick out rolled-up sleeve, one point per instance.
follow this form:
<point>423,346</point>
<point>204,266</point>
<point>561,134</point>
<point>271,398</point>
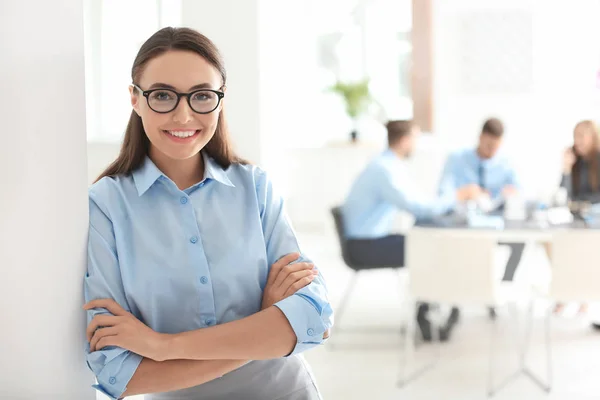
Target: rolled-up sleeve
<point>113,366</point>
<point>308,311</point>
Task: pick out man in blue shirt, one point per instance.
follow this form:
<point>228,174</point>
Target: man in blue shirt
<point>383,188</point>
<point>486,167</point>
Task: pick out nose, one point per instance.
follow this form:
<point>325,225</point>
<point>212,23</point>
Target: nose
<point>183,114</point>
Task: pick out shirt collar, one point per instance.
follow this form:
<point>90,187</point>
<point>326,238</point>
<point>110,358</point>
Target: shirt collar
<point>212,170</point>
<point>391,155</point>
<point>486,161</point>
<point>145,176</point>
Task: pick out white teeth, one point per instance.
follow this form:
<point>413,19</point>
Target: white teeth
<point>182,134</point>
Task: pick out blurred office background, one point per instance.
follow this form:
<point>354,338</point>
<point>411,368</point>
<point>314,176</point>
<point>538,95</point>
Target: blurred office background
<point>447,64</point>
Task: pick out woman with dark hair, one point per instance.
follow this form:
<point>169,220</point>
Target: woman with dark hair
<point>581,164</point>
<point>193,268</point>
<point>581,174</point>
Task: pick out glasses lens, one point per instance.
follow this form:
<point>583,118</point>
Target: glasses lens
<point>204,101</point>
<point>162,100</point>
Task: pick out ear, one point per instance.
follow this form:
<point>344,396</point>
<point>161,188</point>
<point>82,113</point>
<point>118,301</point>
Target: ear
<point>133,93</point>
<point>222,103</point>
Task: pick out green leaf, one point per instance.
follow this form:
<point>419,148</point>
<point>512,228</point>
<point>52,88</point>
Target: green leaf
<point>356,96</point>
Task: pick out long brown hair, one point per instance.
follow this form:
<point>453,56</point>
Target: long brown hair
<point>592,161</point>
<point>135,143</point>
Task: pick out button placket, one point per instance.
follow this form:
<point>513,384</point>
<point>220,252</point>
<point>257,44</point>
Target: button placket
<point>205,304</point>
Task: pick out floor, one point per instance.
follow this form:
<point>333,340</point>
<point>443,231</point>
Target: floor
<point>362,359</point>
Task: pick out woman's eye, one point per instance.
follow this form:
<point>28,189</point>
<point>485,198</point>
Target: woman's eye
<point>162,96</point>
<point>203,96</point>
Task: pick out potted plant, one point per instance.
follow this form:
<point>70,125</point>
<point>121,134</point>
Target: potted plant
<point>357,98</point>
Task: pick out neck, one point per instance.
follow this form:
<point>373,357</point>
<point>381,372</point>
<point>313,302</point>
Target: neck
<point>184,173</point>
<point>398,152</point>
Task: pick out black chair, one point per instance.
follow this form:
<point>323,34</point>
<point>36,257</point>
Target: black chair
<point>345,247</point>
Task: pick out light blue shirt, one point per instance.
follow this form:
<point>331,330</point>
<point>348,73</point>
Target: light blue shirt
<point>463,168</point>
<point>185,260</point>
<point>384,187</point>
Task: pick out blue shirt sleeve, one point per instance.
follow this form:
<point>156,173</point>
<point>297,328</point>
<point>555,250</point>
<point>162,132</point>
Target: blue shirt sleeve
<point>511,178</point>
<point>308,311</point>
<point>405,197</point>
<point>113,366</point>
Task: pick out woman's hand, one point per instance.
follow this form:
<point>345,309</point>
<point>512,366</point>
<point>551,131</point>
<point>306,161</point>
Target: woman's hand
<point>123,330</point>
<point>285,279</point>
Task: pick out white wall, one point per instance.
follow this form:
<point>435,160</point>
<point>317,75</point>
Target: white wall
<point>100,155</point>
<point>43,202</point>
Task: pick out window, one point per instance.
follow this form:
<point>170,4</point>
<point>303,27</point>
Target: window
<point>114,32</point>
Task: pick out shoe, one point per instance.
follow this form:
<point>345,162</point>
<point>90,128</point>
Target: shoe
<point>446,330</point>
<point>424,324</point>
<point>596,326</point>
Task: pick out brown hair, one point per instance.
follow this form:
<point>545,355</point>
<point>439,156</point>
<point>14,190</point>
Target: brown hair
<point>593,177</point>
<point>493,127</point>
<point>396,130</point>
<point>135,143</point>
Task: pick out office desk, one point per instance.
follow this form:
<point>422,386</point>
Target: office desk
<point>528,231</point>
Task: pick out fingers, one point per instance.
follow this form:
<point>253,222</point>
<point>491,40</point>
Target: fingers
<point>299,284</point>
<point>100,321</point>
<point>289,269</point>
<point>296,276</point>
<point>106,341</point>
<point>109,304</point>
<point>99,334</point>
<point>282,262</point>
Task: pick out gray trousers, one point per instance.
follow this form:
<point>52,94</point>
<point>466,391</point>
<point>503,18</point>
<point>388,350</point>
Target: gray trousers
<point>287,378</point>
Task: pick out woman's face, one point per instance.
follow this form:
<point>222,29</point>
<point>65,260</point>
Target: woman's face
<point>583,139</point>
<point>181,133</point>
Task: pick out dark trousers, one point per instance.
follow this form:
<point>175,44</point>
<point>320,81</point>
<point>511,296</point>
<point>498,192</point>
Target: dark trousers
<point>382,252</point>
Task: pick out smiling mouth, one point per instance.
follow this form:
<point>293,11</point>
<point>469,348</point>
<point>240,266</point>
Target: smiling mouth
<point>182,134</point>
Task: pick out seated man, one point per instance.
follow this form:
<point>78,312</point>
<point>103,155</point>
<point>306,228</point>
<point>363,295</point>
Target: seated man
<point>487,168</point>
<point>384,187</point>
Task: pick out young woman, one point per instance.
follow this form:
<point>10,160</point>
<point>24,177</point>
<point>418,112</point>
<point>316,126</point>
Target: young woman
<point>581,174</point>
<point>581,164</point>
<point>182,234</point>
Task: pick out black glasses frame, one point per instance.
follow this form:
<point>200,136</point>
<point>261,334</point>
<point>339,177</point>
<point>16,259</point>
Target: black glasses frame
<point>188,96</point>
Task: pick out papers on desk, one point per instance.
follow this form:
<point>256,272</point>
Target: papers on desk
<point>559,216</point>
<point>485,221</point>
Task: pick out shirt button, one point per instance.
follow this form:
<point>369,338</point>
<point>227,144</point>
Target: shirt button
<point>183,200</point>
<point>209,322</point>
<point>201,184</point>
<point>194,239</point>
<point>310,332</point>
<point>112,380</point>
<point>204,280</point>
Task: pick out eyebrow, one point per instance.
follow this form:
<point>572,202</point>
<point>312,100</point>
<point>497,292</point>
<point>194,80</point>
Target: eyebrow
<point>159,85</point>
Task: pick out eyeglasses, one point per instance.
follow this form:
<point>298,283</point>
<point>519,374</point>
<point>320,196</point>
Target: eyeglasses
<point>164,101</point>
